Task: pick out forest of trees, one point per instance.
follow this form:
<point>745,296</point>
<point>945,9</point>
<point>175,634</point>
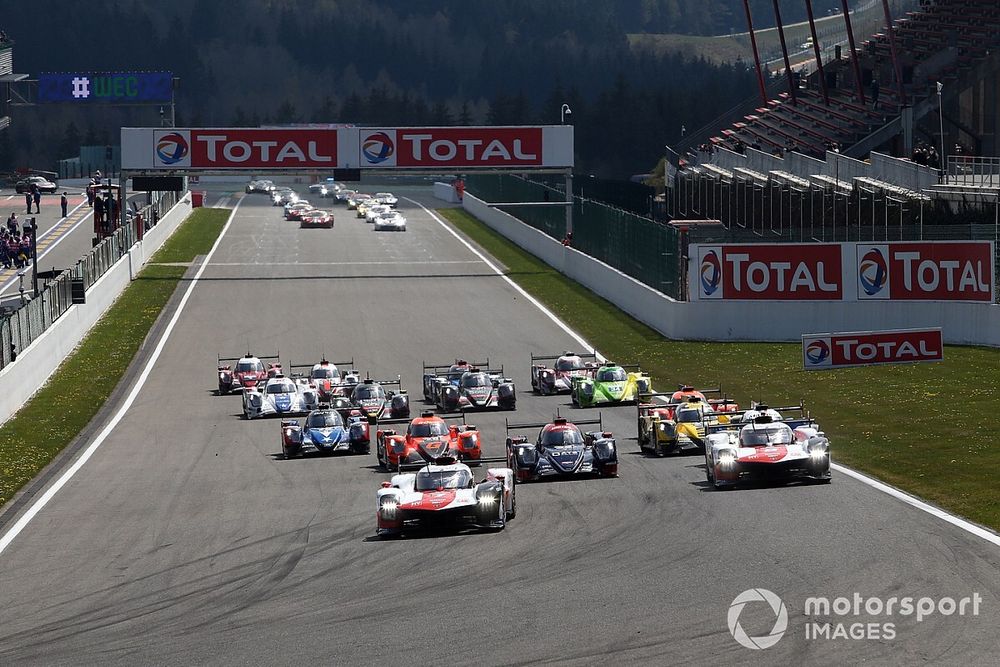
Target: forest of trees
<point>249,62</point>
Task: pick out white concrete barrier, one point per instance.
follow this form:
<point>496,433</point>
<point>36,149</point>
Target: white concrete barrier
<point>36,363</point>
<point>772,321</point>
<point>446,192</point>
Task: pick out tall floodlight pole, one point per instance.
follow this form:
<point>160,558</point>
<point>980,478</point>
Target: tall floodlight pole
<point>756,53</point>
<point>784,54</point>
<point>563,112</point>
<point>944,164</point>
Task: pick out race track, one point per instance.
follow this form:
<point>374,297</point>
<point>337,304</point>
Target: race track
<point>186,540</point>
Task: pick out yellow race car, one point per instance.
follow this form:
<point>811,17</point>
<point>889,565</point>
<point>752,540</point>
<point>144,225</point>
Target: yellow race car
<point>679,424</point>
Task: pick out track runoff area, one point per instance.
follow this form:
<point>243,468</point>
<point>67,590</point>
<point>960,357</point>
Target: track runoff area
<point>186,537</point>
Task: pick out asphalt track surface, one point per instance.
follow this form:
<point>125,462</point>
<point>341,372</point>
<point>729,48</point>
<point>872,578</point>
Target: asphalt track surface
<point>186,540</point>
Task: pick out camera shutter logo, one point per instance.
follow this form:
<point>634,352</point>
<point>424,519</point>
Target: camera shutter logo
<point>780,618</point>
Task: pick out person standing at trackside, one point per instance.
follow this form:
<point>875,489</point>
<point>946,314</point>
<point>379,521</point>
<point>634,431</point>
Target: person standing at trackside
<point>27,202</point>
<point>64,203</point>
<point>874,93</point>
<point>98,213</point>
<point>37,196</point>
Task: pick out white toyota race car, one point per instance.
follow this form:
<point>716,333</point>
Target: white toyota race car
<point>445,494</point>
<point>279,396</point>
<point>393,221</point>
<point>762,446</point>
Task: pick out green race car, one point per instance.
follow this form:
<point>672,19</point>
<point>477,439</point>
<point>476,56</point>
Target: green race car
<point>610,384</point>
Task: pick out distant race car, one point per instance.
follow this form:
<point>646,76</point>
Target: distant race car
<point>374,211</point>
<point>387,198</point>
<point>325,376</point>
<point>427,438</point>
<point>478,389</point>
<point>438,375</point>
<point>325,431</point>
<point>390,222</point>
<point>371,397</point>
<point>445,493</point>
<point>249,371</point>
<point>279,396</point>
<point>760,445</point>
<point>283,195</point>
<point>557,377</point>
<point>260,186</point>
<point>327,188</point>
<point>295,211</point>
<point>316,218</point>
<point>676,421</point>
<point>610,384</point>
<point>342,196</point>
<point>43,184</point>
<point>562,450</point>
<point>357,199</point>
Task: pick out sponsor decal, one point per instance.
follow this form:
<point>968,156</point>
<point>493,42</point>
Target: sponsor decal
<point>173,148</point>
<point>379,148</point>
<point>246,148</point>
<point>796,272</point>
<point>866,348</point>
<point>469,147</point>
<point>926,271</point>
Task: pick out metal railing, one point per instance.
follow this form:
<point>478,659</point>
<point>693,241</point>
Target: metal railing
<point>973,171</point>
<point>22,325</point>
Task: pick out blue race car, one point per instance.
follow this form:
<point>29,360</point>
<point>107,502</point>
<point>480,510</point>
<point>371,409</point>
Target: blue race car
<point>562,450</point>
<point>325,432</point>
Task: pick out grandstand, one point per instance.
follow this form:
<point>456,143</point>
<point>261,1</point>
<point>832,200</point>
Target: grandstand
<point>953,42</point>
<point>6,74</point>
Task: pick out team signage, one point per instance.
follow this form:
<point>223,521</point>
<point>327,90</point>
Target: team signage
<point>866,348</point>
<point>896,271</point>
<point>277,149</point>
<point>926,271</point>
<point>118,87</point>
<point>799,272</point>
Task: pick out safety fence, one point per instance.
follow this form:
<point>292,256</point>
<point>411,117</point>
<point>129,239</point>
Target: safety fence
<point>22,325</point>
<point>646,250</point>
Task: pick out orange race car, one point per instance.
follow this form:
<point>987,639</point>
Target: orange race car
<point>427,438</point>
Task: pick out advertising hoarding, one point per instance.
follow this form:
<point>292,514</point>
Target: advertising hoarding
<point>867,348</point>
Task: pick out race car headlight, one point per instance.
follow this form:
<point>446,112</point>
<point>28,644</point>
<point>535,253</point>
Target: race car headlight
<point>818,453</point>
<point>487,501</point>
<point>388,508</point>
<point>727,459</point>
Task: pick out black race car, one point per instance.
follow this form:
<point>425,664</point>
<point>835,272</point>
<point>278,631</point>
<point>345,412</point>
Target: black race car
<point>562,450</point>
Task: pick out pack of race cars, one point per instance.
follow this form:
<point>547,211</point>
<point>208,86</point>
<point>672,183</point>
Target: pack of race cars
<point>377,209</point>
<point>328,407</point>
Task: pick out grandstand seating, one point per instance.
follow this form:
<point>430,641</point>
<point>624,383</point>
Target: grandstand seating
<point>971,28</point>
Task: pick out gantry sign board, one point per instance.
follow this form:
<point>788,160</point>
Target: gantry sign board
<point>115,87</point>
<point>893,271</point>
<point>191,150</point>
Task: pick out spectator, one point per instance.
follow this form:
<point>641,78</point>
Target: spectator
<point>112,211</point>
<point>64,203</point>
<point>568,239</point>
<point>874,93</point>
<point>12,222</point>
<point>98,212</point>
<point>90,193</point>
<point>933,159</point>
<point>37,197</point>
<point>27,202</point>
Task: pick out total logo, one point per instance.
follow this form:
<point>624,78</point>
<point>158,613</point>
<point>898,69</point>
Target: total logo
<point>873,273</point>
<point>817,352</point>
<point>173,148</point>
<point>379,148</point>
<point>711,273</point>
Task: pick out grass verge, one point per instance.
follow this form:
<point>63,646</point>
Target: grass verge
<point>924,427</point>
<point>84,381</point>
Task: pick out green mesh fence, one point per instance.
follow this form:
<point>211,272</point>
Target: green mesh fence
<point>636,246</point>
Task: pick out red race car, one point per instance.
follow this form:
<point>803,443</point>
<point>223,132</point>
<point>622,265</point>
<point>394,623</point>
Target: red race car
<point>249,372</point>
<point>428,438</point>
<point>316,218</point>
<point>295,211</point>
<point>324,376</point>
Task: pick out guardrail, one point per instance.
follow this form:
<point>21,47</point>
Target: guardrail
<point>21,326</point>
<point>973,171</point>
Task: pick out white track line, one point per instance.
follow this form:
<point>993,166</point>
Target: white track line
<point>957,521</point>
<point>538,304</point>
<point>37,506</point>
<point>400,263</point>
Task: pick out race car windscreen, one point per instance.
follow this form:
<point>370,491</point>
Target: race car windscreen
<point>249,366</point>
<point>569,364</point>
<point>455,372</point>
<point>281,388</point>
<point>470,380</point>
<point>324,420</point>
<point>364,392</point>
<point>689,415</point>
<point>611,375</point>
<point>428,429</point>
<point>442,479</point>
<point>755,435</point>
<point>324,373</point>
<point>561,437</point>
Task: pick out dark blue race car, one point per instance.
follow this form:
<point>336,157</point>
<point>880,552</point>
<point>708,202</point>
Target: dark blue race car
<point>562,450</point>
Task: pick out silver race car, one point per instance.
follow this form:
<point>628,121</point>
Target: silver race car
<point>279,396</point>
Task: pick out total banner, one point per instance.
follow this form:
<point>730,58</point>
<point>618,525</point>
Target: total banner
<point>337,147</point>
<point>867,348</point>
<point>894,271</point>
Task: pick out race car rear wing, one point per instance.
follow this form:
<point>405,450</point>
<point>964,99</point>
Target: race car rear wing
<point>736,422</point>
<point>435,368</point>
<point>443,415</point>
<point>261,357</point>
<point>338,364</point>
<point>555,357</point>
<point>577,422</point>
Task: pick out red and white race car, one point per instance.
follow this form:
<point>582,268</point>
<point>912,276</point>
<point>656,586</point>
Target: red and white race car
<point>427,438</point>
<point>316,218</point>
<point>249,371</point>
<point>442,494</point>
<point>763,446</point>
<point>325,376</point>
<point>557,378</point>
